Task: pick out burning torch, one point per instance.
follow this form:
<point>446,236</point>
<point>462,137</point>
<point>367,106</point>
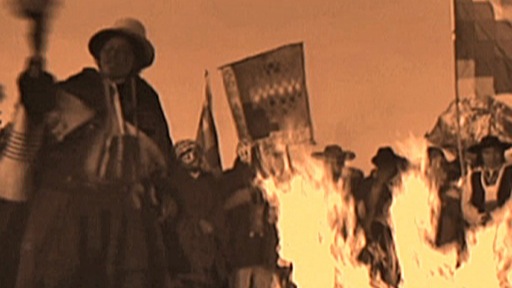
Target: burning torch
<point>24,138</point>
<point>38,12</point>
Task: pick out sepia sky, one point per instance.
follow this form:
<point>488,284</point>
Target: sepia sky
<point>377,71</point>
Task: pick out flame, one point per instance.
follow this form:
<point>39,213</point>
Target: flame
<point>314,212</point>
<point>415,213</point>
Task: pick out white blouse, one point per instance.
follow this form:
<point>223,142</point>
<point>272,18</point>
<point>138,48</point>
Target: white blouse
<point>469,211</point>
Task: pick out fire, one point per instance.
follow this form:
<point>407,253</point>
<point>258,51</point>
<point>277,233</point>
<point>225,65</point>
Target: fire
<point>313,212</point>
<point>317,231</point>
<point>415,213</point>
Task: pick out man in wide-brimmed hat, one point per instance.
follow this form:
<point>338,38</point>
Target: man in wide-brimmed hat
<point>375,191</point>
<point>374,198</point>
<point>92,220</point>
<point>490,184</point>
<point>335,158</point>
<point>443,176</point>
<point>387,158</point>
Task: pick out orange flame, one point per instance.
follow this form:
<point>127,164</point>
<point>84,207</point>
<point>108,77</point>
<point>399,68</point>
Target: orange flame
<point>313,212</point>
<point>414,214</point>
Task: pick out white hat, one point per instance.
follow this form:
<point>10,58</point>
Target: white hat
<point>134,31</point>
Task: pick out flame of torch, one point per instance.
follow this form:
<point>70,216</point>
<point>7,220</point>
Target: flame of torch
<point>39,12</point>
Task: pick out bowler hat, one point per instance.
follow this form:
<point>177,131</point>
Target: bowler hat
<point>131,29</point>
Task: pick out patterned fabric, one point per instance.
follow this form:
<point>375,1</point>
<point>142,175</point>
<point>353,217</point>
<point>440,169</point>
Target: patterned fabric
<point>87,233</point>
<point>483,47</point>
<point>268,97</point>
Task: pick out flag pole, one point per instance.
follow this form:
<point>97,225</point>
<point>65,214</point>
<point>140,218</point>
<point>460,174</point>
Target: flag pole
<point>207,133</point>
<point>207,87</point>
<point>460,150</point>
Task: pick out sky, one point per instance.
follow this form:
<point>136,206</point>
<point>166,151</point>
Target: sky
<point>376,71</point>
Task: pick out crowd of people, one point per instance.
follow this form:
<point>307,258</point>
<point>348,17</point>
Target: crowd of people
<point>117,204</point>
<point>468,199</point>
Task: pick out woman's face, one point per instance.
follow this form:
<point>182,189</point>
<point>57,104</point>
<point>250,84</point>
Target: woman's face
<point>117,59</point>
<point>492,157</point>
<point>190,159</point>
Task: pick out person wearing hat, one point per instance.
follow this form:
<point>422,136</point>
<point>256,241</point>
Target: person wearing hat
<point>490,184</point>
<point>335,158</point>
<point>252,238</point>
<point>94,216</point>
<point>374,199</point>
<point>375,191</point>
<point>199,223</point>
<point>443,175</point>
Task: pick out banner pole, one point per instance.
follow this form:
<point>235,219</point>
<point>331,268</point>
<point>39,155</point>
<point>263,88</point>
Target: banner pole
<point>460,147</point>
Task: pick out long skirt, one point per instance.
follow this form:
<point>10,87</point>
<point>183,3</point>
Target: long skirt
<point>12,224</point>
<point>83,236</point>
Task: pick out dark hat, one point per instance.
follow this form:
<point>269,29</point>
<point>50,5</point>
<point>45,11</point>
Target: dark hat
<point>489,141</point>
<point>386,155</point>
<point>335,152</point>
<point>131,29</point>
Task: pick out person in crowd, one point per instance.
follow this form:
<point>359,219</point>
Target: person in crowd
<point>199,224</point>
<point>489,185</point>
<point>12,222</point>
<point>335,159</point>
<point>93,216</point>
<point>375,194</point>
<point>252,237</point>
<point>443,175</point>
<point>346,179</point>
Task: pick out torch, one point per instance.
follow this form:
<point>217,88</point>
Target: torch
<point>24,137</point>
<point>38,12</point>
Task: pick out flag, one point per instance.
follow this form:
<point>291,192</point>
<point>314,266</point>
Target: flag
<point>268,97</point>
<point>483,47</point>
<point>207,134</point>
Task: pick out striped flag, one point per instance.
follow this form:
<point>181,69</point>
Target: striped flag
<point>483,31</point>
<point>207,134</point>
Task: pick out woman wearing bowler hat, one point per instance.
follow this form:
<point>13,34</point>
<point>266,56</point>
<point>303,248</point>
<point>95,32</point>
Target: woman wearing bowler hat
<point>490,184</point>
<point>94,215</point>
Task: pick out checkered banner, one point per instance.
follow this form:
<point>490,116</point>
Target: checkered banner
<point>483,30</point>
<point>268,97</point>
